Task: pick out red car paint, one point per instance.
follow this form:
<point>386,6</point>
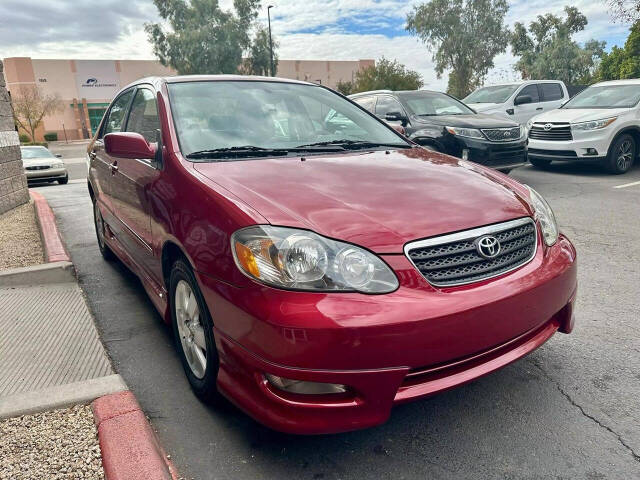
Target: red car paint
<point>388,349</point>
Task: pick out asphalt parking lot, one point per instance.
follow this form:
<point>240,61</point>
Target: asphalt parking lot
<point>568,411</point>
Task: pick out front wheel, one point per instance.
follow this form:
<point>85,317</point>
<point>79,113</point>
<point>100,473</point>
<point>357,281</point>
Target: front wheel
<point>193,331</point>
<point>64,180</point>
<point>540,163</point>
<point>621,155</point>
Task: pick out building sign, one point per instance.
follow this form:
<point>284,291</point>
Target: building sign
<point>97,79</point>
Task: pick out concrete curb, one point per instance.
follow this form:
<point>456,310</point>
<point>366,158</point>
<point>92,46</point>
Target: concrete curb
<point>60,396</point>
<point>54,250</point>
<point>44,274</point>
<point>130,449</point>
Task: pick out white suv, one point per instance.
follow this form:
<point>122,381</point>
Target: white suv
<point>518,101</point>
<point>600,123</point>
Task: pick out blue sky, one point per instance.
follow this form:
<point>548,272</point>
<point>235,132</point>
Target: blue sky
<point>305,29</point>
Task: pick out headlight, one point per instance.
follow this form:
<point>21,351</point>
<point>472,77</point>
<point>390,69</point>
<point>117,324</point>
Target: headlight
<point>593,125</point>
<point>303,260</point>
<point>523,131</point>
<point>545,216</point>
<point>529,124</point>
<point>465,132</point>
<point>57,164</point>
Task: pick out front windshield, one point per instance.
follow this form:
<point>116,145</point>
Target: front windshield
<point>494,94</point>
<point>214,115</point>
<point>606,96</point>
<point>433,103</point>
<point>35,152</point>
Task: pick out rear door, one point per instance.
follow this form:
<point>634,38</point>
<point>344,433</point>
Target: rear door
<point>101,165</point>
<point>552,95</point>
<point>132,180</point>
<point>523,112</point>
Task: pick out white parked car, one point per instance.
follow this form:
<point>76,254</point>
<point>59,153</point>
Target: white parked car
<point>43,166</point>
<point>601,123</point>
<point>518,101</point>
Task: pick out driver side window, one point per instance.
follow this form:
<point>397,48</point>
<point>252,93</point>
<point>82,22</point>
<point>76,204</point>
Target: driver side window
<point>115,121</point>
<point>387,104</point>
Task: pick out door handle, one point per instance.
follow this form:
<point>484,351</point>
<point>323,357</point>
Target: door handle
<point>114,168</point>
<point>92,155</point>
<point>539,108</point>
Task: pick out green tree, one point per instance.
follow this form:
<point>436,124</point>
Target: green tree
<point>622,62</point>
<point>466,36</point>
<point>384,75</point>
<point>203,38</point>
<point>259,59</point>
<point>547,50</point>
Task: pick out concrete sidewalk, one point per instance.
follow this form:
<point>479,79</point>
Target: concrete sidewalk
<point>50,350</point>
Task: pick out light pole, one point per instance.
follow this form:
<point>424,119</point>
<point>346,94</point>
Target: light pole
<point>270,41</point>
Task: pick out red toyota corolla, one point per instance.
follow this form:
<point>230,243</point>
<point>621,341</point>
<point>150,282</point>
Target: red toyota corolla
<point>316,266</point>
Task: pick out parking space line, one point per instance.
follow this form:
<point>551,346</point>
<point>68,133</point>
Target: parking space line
<point>627,185</point>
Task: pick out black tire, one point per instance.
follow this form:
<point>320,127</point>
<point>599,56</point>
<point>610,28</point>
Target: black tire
<point>622,154</point>
<point>100,227</point>
<point>63,181</point>
<point>540,162</point>
<point>204,387</point>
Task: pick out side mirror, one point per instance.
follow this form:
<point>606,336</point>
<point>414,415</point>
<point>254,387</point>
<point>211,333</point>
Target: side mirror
<point>395,117</point>
<point>58,155</point>
<point>129,145</point>
<point>522,99</point>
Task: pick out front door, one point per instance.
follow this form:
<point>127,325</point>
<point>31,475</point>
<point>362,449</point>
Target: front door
<point>102,164</point>
<point>523,112</point>
<point>131,183</point>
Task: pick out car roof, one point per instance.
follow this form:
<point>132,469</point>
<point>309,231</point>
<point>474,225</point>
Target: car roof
<point>630,81</point>
<point>157,81</point>
<point>34,147</point>
<point>519,82</point>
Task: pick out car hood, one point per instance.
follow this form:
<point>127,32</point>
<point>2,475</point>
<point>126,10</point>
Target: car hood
<point>482,107</point>
<point>574,115</point>
<point>377,200</point>
<point>36,162</point>
<point>478,120</point>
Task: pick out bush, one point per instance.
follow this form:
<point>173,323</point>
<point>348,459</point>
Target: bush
<point>51,137</point>
<point>24,138</point>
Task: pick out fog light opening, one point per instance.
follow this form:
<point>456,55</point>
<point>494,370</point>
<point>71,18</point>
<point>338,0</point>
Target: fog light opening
<point>591,151</point>
<point>302,387</point>
<point>465,154</point>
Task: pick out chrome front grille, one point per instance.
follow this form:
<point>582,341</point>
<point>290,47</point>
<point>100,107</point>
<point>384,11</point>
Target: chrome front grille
<point>38,167</point>
<point>502,134</point>
<point>551,131</point>
<point>455,259</point>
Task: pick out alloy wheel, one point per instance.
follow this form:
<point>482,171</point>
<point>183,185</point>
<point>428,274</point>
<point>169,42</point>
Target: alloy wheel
<point>624,155</point>
<point>99,225</point>
<point>190,329</point>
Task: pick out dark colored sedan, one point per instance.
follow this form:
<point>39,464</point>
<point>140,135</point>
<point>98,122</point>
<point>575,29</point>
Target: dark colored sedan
<point>317,267</point>
<point>441,123</point>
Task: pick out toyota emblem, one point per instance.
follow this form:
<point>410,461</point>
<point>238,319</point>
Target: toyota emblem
<point>488,246</point>
<point>547,127</point>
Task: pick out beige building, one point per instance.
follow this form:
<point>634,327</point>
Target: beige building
<point>88,86</point>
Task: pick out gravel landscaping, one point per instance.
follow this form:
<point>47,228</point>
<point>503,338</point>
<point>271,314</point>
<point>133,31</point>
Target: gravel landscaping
<point>20,244</point>
<point>61,444</point>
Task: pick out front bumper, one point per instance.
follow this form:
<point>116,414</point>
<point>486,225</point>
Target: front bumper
<point>498,155</point>
<point>585,146</point>
<point>388,349</point>
<point>46,174</point>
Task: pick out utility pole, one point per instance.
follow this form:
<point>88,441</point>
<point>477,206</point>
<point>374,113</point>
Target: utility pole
<point>270,41</point>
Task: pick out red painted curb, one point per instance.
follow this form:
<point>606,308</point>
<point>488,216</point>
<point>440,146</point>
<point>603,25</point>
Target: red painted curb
<point>130,449</point>
<point>54,250</point>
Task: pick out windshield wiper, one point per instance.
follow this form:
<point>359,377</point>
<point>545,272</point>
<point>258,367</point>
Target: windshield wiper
<point>237,152</point>
<point>353,144</point>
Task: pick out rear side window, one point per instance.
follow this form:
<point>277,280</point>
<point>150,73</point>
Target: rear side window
<point>366,102</point>
<point>551,91</point>
<point>387,104</point>
<point>532,91</point>
<point>143,118</point>
<point>115,121</point>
